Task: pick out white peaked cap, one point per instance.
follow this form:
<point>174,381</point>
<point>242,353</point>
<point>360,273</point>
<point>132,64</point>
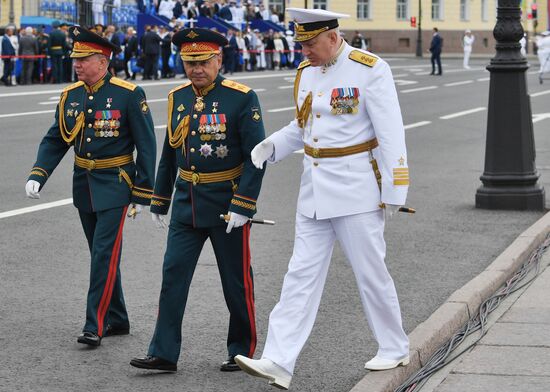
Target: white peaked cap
<point>306,15</point>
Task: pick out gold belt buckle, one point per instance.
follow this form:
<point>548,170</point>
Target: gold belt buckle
<point>315,153</point>
<point>91,165</point>
<point>195,178</point>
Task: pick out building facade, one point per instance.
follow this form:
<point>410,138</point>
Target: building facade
<point>386,24</point>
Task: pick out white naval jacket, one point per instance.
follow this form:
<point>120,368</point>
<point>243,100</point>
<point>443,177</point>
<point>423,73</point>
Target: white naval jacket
<point>334,187</point>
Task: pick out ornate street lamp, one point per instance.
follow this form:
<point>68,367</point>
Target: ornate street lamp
<point>510,175</point>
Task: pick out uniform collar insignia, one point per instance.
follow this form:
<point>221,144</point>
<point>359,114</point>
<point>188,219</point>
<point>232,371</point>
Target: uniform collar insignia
<point>335,58</point>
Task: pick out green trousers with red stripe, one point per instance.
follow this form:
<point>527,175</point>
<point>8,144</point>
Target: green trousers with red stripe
<point>233,258</point>
<point>105,304</point>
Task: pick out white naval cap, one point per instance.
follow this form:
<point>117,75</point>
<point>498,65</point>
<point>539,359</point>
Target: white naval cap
<point>309,23</point>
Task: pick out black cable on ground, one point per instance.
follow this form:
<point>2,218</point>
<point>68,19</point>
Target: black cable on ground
<point>442,356</point>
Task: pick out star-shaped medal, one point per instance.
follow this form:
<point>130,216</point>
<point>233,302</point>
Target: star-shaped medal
<point>401,161</point>
<point>206,150</point>
<point>221,151</point>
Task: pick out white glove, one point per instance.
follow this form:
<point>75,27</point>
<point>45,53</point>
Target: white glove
<point>235,220</point>
<point>32,188</point>
<point>262,152</point>
<point>134,210</point>
<point>390,210</point>
<point>159,220</point>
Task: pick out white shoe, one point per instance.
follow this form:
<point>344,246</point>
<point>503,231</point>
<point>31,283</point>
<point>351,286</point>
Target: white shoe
<point>265,368</point>
<point>378,363</point>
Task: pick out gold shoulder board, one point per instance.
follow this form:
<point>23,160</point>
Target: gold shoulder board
<point>363,58</point>
<point>236,86</point>
<point>179,87</point>
<point>304,64</point>
<point>73,86</point>
<point>122,83</point>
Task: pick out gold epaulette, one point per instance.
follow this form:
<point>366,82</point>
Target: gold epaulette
<point>179,87</point>
<point>73,86</point>
<point>122,83</point>
<point>303,64</point>
<point>236,86</point>
<point>363,58</point>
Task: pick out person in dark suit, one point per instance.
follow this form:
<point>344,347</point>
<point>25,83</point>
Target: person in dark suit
<point>104,119</point>
<point>213,124</point>
<point>151,48</point>
<point>7,50</point>
<point>229,53</point>
<point>28,46</point>
<point>130,50</point>
<point>435,49</point>
<point>166,52</point>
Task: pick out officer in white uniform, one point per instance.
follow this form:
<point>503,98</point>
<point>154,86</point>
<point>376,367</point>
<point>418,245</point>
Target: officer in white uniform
<point>348,122</point>
<point>467,43</point>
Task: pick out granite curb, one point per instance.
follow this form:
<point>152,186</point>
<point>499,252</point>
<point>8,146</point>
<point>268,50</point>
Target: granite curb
<point>429,335</point>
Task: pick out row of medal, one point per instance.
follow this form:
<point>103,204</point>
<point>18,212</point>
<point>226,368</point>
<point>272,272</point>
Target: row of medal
<point>345,100</point>
<point>212,127</point>
<point>106,123</point>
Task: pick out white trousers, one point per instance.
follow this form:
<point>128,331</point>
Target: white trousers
<point>467,53</point>
<point>361,237</point>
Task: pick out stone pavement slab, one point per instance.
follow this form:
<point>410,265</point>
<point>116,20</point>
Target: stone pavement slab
<point>507,360</point>
<point>491,383</point>
<point>518,334</point>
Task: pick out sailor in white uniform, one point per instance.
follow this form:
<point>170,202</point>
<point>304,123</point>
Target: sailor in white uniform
<point>467,43</point>
<point>348,121</point>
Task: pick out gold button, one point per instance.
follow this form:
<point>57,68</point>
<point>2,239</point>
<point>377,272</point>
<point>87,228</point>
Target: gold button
<point>193,167</point>
<point>315,140</point>
<point>195,115</point>
<point>192,149</point>
<point>88,154</point>
<point>88,140</point>
<point>318,115</point>
<point>193,133</point>
<point>91,97</point>
<point>89,110</point>
<point>89,125</point>
<point>315,164</point>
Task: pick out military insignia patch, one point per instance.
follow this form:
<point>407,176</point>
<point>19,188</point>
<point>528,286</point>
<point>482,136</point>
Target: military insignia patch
<point>181,108</point>
<point>192,35</point>
<point>144,106</point>
<point>256,114</point>
<point>74,104</point>
<point>401,161</point>
<point>344,100</point>
<point>109,101</point>
<point>70,112</point>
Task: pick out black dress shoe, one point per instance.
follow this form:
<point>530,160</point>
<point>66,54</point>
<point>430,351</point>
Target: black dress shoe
<point>89,338</point>
<point>153,363</point>
<point>229,365</point>
<point>113,330</point>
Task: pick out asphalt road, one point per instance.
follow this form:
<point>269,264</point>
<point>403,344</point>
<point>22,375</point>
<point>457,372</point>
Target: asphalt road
<point>44,264</point>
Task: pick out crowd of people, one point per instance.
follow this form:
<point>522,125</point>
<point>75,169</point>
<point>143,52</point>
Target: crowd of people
<point>236,13</point>
<point>44,58</point>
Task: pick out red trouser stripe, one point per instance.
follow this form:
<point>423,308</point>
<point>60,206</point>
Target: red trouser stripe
<point>111,277</point>
<point>249,288</point>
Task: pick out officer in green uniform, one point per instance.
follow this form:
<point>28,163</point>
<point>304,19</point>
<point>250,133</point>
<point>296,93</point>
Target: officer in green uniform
<point>104,119</point>
<point>56,48</point>
<point>213,124</point>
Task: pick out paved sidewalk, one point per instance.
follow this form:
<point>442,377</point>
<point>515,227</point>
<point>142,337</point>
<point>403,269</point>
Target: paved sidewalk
<point>514,355</point>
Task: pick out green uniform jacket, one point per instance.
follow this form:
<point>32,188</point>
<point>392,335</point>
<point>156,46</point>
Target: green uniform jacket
<point>220,138</point>
<point>57,43</point>
<point>117,121</point>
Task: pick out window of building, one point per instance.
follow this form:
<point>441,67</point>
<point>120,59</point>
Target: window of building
<point>320,4</point>
<point>402,9</point>
<point>363,9</point>
<point>464,10</point>
<point>484,11</point>
<point>437,9</point>
<point>276,4</point>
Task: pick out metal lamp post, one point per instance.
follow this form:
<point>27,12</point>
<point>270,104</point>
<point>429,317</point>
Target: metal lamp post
<point>510,175</point>
<point>11,14</point>
<point>419,36</point>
